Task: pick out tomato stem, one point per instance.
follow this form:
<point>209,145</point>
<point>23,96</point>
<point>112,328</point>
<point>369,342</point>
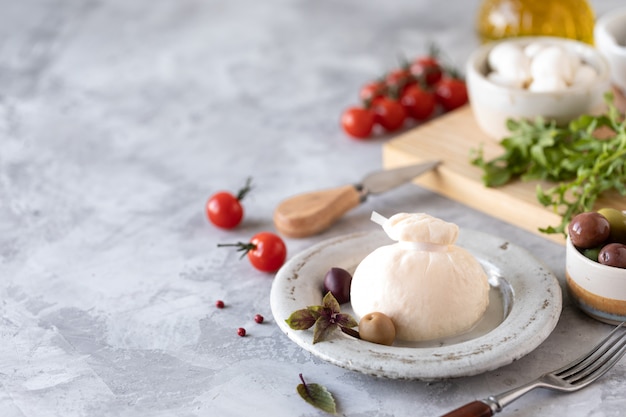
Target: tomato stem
<point>403,62</point>
<point>245,190</point>
<point>433,50</point>
<point>394,91</point>
<point>453,72</point>
<point>241,247</point>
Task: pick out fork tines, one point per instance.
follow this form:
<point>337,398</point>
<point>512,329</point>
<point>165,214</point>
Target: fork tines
<point>598,361</point>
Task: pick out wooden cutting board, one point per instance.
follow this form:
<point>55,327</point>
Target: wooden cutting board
<point>450,138</point>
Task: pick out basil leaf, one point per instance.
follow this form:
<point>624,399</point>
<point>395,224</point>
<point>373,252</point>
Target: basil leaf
<point>318,396</point>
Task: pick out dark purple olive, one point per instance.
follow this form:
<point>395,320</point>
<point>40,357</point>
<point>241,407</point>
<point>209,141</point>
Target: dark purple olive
<point>613,254</point>
<point>589,229</point>
<point>338,282</point>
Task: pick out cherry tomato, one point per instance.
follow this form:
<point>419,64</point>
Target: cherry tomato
<point>451,93</point>
<point>358,122</point>
<point>428,69</point>
<point>269,252</point>
<point>418,103</point>
<point>266,251</point>
<point>398,80</point>
<point>372,90</point>
<point>389,113</point>
<point>224,210</point>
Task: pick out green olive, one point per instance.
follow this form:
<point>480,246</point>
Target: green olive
<point>377,328</point>
<point>592,253</point>
<point>617,222</point>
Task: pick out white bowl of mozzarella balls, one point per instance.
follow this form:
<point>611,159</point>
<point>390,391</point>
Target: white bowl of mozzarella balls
<point>526,77</point>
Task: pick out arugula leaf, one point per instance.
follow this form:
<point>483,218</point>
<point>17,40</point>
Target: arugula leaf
<point>581,165</point>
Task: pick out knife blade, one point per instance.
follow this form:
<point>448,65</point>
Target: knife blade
<point>310,213</point>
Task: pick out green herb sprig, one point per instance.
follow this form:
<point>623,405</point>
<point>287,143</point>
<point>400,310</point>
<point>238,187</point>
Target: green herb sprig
<point>582,165</point>
<point>326,318</point>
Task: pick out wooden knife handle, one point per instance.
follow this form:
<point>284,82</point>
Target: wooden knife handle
<point>311,213</point>
<point>473,409</point>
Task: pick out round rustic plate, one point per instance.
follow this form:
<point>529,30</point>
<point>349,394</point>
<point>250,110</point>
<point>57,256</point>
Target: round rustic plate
<point>525,304</point>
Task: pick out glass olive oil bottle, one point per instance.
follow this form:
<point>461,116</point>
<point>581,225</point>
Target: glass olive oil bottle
<point>499,19</point>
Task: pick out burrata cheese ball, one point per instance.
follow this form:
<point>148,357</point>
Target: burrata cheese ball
<point>428,286</point>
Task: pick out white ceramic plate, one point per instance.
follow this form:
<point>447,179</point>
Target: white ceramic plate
<point>525,307</point>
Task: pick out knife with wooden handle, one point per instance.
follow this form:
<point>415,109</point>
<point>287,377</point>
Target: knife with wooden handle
<point>310,213</point>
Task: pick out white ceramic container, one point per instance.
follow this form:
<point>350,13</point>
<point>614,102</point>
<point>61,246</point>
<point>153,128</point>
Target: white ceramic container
<point>599,290</point>
<point>610,38</point>
<point>492,104</point>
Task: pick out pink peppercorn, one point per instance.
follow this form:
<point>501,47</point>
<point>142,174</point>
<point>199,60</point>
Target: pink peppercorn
<point>219,304</point>
<point>241,331</point>
<point>258,318</point>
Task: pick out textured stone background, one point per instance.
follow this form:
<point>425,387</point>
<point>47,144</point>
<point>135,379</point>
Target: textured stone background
<point>119,118</point>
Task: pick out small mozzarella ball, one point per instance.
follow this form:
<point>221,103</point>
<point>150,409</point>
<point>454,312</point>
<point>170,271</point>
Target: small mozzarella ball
<point>532,49</point>
<point>547,84</point>
<point>510,61</point>
<point>501,53</point>
<point>554,62</point>
<point>497,78</point>
<point>547,62</point>
<point>585,75</point>
<point>575,64</point>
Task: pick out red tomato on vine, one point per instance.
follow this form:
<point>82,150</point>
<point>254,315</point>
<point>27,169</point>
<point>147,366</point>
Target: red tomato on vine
<point>427,69</point>
<point>372,90</point>
<point>389,113</point>
<point>398,81</point>
<point>451,93</point>
<point>358,122</point>
<point>418,103</point>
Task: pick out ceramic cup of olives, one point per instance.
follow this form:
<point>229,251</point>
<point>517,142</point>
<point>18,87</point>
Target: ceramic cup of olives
<point>595,265</point>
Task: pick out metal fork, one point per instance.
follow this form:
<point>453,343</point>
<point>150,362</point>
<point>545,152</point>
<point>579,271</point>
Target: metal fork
<point>572,377</point>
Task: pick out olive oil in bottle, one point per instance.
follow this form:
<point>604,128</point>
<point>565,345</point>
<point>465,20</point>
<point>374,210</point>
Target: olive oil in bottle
<point>499,19</point>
